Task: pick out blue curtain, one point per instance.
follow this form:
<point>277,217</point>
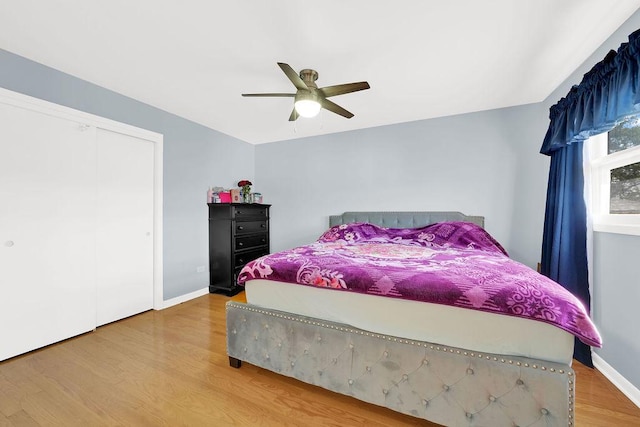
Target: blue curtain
<point>564,243</point>
<point>608,93</point>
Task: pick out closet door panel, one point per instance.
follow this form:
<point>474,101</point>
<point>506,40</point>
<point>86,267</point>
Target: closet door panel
<point>47,230</point>
<point>124,226</point>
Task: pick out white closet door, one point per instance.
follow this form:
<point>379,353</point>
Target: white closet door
<point>47,230</point>
<point>124,226</point>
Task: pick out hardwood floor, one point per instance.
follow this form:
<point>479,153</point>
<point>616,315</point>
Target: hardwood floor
<point>170,368</point>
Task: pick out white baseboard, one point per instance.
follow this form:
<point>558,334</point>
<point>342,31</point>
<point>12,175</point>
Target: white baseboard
<point>628,389</point>
<point>184,298</point>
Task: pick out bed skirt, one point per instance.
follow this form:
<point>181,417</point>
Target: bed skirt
<point>445,385</point>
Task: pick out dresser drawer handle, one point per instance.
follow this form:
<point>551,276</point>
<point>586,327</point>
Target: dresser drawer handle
<point>240,244</point>
<point>240,227</point>
<point>263,240</point>
<point>263,225</point>
<point>240,261</point>
<point>239,212</point>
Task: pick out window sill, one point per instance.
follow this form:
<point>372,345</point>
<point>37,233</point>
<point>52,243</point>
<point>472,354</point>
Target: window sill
<point>629,229</point>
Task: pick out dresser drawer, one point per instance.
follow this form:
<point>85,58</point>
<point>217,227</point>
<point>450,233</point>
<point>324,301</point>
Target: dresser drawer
<point>249,211</point>
<point>242,258</point>
<point>248,242</point>
<point>246,227</point>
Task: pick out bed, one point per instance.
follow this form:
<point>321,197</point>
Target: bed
<point>457,365</point>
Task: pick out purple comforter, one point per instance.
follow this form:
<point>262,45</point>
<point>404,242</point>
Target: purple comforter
<point>452,263</point>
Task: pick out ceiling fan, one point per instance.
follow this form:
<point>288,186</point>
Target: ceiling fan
<point>309,99</point>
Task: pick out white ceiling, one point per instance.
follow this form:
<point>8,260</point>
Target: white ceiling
<point>422,58</point>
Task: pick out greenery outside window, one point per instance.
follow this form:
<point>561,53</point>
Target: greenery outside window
<point>613,171</point>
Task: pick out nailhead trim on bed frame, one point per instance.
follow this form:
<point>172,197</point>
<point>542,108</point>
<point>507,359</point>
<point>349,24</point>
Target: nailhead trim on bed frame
<point>243,345</point>
<point>394,339</point>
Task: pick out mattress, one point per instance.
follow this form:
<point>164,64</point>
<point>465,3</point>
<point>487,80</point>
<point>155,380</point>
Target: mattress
<point>440,324</point>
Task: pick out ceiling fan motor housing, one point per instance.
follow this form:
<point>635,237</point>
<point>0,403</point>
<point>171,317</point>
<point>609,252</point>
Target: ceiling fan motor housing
<point>303,95</point>
<point>309,77</point>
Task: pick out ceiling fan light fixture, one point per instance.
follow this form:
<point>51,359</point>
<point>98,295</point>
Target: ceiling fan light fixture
<point>307,108</point>
<point>307,104</point>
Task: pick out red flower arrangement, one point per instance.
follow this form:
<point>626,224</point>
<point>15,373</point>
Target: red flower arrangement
<point>245,186</point>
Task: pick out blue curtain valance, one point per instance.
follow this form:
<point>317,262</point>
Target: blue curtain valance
<point>608,93</point>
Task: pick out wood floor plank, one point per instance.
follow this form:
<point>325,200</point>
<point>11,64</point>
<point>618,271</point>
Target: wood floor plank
<point>170,368</point>
<point>21,418</point>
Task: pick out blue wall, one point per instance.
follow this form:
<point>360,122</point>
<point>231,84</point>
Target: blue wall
<point>616,294</point>
<point>195,158</point>
<point>480,164</point>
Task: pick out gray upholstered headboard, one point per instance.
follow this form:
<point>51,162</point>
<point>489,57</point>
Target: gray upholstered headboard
<point>403,219</point>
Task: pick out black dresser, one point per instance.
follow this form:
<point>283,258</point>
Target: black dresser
<point>238,233</point>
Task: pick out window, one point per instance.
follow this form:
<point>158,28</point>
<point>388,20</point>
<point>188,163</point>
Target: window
<point>612,175</point>
<point>624,197</point>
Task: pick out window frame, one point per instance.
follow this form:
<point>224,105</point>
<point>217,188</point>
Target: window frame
<point>598,185</point>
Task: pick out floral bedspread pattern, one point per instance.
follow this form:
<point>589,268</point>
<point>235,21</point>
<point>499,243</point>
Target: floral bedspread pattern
<point>452,263</point>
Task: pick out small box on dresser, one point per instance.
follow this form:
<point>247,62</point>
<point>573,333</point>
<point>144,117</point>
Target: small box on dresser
<point>238,233</point>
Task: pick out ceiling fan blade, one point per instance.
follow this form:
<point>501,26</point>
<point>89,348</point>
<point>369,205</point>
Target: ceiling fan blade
<point>293,76</point>
<point>294,115</point>
<point>344,88</point>
<point>288,95</point>
<point>335,108</point>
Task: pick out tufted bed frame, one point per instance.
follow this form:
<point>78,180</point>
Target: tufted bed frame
<point>443,384</point>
